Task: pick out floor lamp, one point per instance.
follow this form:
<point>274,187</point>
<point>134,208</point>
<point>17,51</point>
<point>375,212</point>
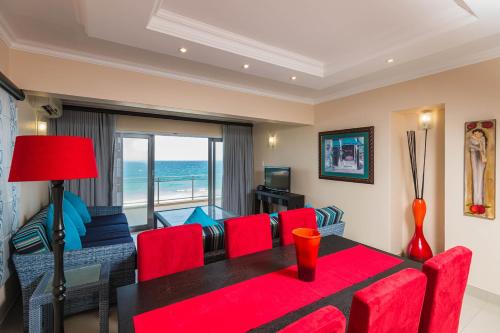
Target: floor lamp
<point>54,159</point>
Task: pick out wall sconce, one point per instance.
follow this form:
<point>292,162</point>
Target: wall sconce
<point>426,120</point>
<point>272,140</point>
<point>41,127</point>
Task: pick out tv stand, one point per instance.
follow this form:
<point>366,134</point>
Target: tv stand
<point>268,197</point>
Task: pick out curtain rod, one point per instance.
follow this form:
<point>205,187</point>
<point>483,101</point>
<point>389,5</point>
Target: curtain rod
<point>70,107</point>
<point>11,88</point>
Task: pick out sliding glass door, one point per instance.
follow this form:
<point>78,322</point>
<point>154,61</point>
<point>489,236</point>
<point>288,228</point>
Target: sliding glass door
<point>138,171</point>
<point>169,172</point>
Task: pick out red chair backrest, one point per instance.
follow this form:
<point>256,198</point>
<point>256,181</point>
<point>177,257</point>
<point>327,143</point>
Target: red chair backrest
<point>169,250</point>
<point>447,275</point>
<point>296,218</point>
<point>247,234</point>
<point>393,304</point>
<point>328,319</point>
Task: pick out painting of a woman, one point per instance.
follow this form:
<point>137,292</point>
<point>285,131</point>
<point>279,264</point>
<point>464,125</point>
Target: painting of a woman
<point>477,146</point>
<point>480,169</point>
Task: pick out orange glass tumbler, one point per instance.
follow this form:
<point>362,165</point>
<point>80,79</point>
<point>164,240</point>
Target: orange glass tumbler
<point>306,248</point>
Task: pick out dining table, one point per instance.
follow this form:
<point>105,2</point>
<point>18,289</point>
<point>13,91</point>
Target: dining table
<point>259,292</point>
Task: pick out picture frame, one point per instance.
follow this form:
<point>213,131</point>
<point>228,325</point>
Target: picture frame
<point>347,155</point>
<point>480,169</point>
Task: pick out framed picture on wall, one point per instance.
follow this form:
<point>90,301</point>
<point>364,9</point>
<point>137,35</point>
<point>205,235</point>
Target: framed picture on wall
<point>347,155</point>
<point>480,169</point>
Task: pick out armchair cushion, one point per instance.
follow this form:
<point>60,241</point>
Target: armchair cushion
<point>32,237</point>
<point>328,216</point>
<point>79,205</point>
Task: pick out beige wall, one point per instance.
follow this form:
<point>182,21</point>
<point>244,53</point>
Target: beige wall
<point>34,195</point>
<point>68,77</point>
<point>467,93</point>
<point>167,127</point>
<point>4,57</point>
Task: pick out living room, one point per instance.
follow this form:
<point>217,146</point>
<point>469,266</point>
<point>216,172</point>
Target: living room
<point>177,77</point>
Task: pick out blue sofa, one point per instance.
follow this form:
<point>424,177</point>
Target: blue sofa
<point>108,239</point>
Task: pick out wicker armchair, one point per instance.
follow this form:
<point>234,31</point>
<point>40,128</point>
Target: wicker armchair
<point>122,258</point>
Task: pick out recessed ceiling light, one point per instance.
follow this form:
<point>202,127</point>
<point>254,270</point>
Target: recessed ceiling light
<point>390,60</point>
<point>183,50</point>
<point>293,78</point>
<point>246,66</point>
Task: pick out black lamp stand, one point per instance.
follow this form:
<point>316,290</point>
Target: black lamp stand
<point>58,280</point>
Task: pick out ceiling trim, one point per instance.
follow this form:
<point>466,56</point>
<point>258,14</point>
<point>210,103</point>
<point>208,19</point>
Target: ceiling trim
<point>413,75</point>
<point>172,24</point>
<point>138,68</point>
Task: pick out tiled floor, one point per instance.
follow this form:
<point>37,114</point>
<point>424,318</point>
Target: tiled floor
<point>478,316</point>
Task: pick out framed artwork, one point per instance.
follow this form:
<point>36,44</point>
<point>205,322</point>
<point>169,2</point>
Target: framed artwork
<point>480,169</point>
<point>347,155</point>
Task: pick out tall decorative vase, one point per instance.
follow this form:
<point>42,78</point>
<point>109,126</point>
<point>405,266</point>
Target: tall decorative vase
<point>419,249</point>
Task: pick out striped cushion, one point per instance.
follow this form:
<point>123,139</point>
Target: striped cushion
<point>328,216</point>
<point>275,232</point>
<point>213,237</point>
<point>32,237</point>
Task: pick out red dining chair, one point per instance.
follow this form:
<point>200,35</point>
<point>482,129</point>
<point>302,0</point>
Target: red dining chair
<point>296,218</point>
<point>165,251</point>
<point>447,275</point>
<point>247,234</point>
<point>328,319</point>
<point>392,304</point>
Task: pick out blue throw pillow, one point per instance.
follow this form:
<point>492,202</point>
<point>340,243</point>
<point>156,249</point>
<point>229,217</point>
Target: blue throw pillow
<point>75,217</point>
<point>72,240</point>
<point>79,205</point>
<point>273,215</point>
<point>200,217</point>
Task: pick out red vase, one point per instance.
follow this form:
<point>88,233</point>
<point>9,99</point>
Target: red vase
<point>306,247</point>
<point>419,249</point>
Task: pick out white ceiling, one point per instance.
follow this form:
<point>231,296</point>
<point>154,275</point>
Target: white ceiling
<point>333,47</point>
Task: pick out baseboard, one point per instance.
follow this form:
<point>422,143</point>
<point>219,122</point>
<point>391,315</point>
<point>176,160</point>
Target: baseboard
<point>483,294</point>
<point>8,296</point>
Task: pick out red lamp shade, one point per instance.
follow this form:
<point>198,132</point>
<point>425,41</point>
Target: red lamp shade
<point>42,158</point>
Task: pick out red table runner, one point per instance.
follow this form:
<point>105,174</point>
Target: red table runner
<point>252,303</point>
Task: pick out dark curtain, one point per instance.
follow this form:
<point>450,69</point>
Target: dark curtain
<point>237,181</point>
<point>101,128</point>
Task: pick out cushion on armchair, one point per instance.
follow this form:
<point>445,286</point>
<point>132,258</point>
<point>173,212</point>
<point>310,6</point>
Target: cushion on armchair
<point>75,217</point>
<point>71,239</point>
<point>328,216</point>
<point>79,205</point>
<point>32,237</point>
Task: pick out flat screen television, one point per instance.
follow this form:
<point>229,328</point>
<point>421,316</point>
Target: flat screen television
<point>277,178</point>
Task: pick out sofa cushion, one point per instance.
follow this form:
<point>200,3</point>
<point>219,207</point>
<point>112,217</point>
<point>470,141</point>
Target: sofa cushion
<point>99,221</point>
<point>79,205</point>
<point>213,237</point>
<point>71,239</point>
<point>198,216</point>
<point>32,237</point>
<point>106,242</point>
<point>275,231</point>
<point>328,216</point>
<point>106,232</point>
<point>75,217</point>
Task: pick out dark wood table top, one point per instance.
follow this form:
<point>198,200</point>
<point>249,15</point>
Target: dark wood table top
<point>146,296</point>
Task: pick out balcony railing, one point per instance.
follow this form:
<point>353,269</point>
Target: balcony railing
<point>195,187</point>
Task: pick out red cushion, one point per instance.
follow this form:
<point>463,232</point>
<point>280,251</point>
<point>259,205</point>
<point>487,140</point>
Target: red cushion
<point>247,234</point>
<point>169,250</point>
<point>328,319</point>
<point>293,219</point>
<point>447,275</point>
<point>392,304</point>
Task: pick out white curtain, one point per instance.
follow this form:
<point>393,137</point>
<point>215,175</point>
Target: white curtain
<point>9,192</point>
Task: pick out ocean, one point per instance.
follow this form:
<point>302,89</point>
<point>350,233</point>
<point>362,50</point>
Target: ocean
<point>174,179</point>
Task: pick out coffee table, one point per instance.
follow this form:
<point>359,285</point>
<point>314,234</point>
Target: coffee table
<point>173,217</point>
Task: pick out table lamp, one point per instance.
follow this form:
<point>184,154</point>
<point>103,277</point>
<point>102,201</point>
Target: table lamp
<point>54,159</point>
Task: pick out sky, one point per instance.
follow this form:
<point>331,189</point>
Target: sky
<point>169,148</point>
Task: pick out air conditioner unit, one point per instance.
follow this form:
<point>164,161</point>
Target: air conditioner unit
<point>48,106</point>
